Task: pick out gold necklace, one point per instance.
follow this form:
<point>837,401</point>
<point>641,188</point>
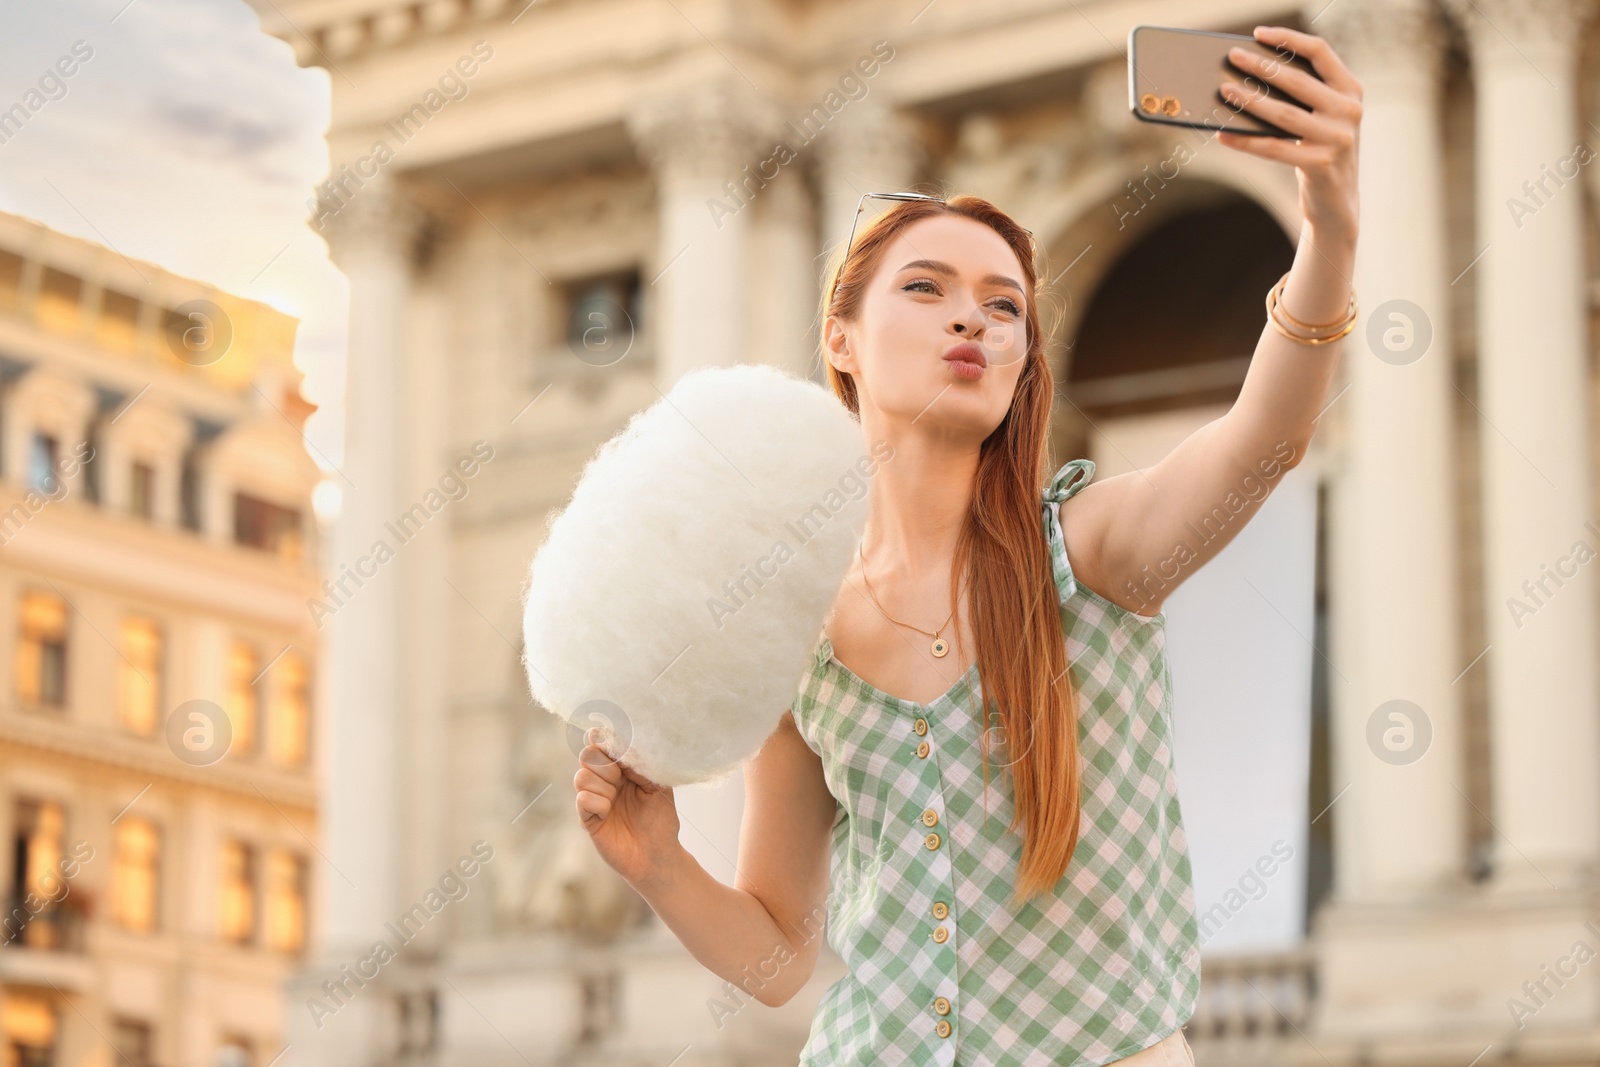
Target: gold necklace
<point>940,646</point>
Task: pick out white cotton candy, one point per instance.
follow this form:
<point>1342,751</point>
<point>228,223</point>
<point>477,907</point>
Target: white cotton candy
<point>682,590</point>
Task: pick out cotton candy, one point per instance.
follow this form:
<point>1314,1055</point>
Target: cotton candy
<point>679,596</point>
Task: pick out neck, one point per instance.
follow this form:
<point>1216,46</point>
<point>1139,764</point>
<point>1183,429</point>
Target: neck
<point>919,499</point>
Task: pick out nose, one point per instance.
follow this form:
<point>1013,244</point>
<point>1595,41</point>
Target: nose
<point>970,324</point>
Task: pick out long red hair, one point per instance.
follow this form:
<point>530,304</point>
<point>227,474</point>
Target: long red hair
<point>1001,551</point>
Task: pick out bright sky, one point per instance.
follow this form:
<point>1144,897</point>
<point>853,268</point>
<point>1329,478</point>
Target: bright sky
<point>189,139</point>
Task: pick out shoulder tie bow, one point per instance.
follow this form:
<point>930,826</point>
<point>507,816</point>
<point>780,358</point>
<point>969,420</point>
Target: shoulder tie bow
<point>1069,479</point>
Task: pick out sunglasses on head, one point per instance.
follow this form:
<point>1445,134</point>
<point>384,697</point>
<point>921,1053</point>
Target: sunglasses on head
<point>861,204</point>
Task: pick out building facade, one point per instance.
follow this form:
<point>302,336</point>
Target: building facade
<point>549,212</point>
<point>157,769</point>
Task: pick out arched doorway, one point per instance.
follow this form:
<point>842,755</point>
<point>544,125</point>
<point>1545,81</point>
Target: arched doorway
<point>1157,340</point>
<point>1175,318</point>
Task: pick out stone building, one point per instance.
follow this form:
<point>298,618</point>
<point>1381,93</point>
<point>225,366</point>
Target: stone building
<point>549,212</point>
<point>157,550</point>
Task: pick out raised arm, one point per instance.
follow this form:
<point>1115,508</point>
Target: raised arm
<point>1135,537</point>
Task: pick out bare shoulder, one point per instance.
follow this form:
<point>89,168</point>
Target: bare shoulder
<point>1087,522</point>
<point>784,783</point>
<point>787,768</point>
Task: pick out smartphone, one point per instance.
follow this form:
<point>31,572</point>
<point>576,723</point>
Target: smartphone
<point>1175,78</point>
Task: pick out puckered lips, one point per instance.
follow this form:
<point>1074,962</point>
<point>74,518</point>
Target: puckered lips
<point>967,361</point>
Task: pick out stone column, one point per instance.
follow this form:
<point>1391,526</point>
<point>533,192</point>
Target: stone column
<point>784,248</point>
<point>715,149</point>
<point>1533,395</point>
<point>868,148</point>
<point>1399,829</point>
<point>371,243</point>
<point>361,731</point>
<point>710,148</point>
<point>431,608</point>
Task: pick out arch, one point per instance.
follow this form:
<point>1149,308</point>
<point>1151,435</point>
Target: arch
<point>1079,227</point>
<point>1176,316</point>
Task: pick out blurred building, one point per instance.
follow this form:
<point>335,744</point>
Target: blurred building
<point>157,551</point>
<point>1385,689</point>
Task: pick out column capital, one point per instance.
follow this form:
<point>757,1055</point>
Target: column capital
<point>873,140</point>
<point>1523,31</point>
<point>379,217</point>
<point>704,131</point>
<point>1374,36</point>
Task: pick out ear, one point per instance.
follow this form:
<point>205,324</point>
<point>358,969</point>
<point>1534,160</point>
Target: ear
<point>837,344</point>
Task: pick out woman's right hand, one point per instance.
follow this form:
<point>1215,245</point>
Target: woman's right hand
<point>632,821</point>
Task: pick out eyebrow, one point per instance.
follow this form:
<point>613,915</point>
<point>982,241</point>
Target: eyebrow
<point>947,270</point>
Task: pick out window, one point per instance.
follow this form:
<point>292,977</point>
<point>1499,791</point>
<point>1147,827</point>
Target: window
<point>289,719</point>
<point>244,696</point>
<point>131,1038</point>
<point>198,332</point>
<point>135,869</point>
<point>602,316</point>
<point>236,918</point>
<point>142,491</point>
<point>29,1024</point>
<point>90,467</point>
<point>10,280</point>
<point>285,918</point>
<point>139,675</point>
<point>190,480</point>
<point>118,326</point>
<point>267,526</point>
<point>42,651</point>
<point>39,831</point>
<point>42,476</point>
<point>59,296</point>
<point>189,491</point>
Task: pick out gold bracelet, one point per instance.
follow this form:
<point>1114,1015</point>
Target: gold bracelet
<point>1306,329</point>
<point>1311,326</point>
<point>1301,339</point>
<point>1299,332</point>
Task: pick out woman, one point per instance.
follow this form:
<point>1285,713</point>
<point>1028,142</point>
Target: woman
<point>1012,882</point>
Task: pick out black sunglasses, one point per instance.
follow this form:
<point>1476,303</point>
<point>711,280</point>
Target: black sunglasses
<point>849,244</point>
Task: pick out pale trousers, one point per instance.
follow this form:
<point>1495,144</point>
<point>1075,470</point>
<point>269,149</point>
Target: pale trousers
<point>1171,1051</point>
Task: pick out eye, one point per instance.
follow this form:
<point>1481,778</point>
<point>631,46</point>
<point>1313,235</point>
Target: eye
<point>928,285</point>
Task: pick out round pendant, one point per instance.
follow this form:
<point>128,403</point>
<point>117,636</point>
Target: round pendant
<point>940,647</point>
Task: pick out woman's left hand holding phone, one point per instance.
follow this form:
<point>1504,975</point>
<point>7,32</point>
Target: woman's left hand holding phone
<point>1324,151</point>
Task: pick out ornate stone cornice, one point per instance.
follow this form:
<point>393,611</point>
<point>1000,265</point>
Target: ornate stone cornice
<point>321,34</point>
<point>1373,36</point>
<point>1523,31</point>
<point>705,131</point>
<point>374,217</point>
<point>1104,104</point>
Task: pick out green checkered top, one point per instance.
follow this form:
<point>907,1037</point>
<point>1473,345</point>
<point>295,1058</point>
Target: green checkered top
<point>942,969</point>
